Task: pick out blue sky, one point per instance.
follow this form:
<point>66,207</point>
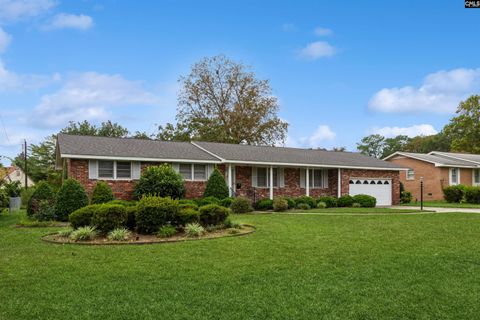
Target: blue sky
<point>341,70</point>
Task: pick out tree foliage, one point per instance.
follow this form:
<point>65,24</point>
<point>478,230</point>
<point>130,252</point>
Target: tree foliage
<point>161,181</point>
<point>106,129</point>
<point>216,186</point>
<point>70,197</point>
<point>223,101</point>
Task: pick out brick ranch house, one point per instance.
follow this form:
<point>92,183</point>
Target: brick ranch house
<point>438,170</point>
<point>252,171</point>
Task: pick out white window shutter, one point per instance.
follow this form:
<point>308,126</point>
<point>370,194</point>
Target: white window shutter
<point>302,178</point>
<point>325,178</point>
<point>176,167</point>
<point>281,177</point>
<point>254,176</point>
<point>92,169</point>
<point>136,170</point>
<point>209,170</point>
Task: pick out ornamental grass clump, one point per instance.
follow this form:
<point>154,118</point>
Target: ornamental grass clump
<point>166,231</point>
<point>65,233</point>
<point>194,230</point>
<point>119,234</point>
<point>84,234</point>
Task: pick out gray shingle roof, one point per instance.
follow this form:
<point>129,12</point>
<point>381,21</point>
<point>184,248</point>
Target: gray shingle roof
<point>438,159</point>
<point>463,156</point>
<point>130,148</point>
<point>234,152</point>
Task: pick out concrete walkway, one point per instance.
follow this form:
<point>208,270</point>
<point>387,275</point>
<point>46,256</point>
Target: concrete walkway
<point>437,209</point>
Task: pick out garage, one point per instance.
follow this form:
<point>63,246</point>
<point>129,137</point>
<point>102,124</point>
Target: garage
<point>381,189</point>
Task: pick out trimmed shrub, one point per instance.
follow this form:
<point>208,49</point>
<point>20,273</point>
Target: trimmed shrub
<point>109,216</point>
<point>26,195</point>
<point>70,197</point>
<point>125,203</point>
<point>216,186</point>
<point>365,200</point>
<point>84,233</point>
<point>187,201</point>
<point>303,206</point>
<point>241,205</point>
<point>192,206</point>
<point>102,193</point>
<point>194,230</point>
<point>119,234</point>
<point>45,212</point>
<point>291,202</point>
<point>162,181</point>
<point>226,202</point>
<point>186,216</point>
<point>305,199</point>
<point>3,199</point>
<point>83,216</point>
<point>208,200</point>
<point>472,195</point>
<point>42,191</point>
<point>330,201</point>
<point>454,194</point>
<point>213,214</point>
<point>131,213</point>
<point>406,197</point>
<point>345,201</point>
<point>356,205</point>
<point>321,205</point>
<point>280,204</point>
<point>166,231</point>
<point>264,204</point>
<point>154,212</point>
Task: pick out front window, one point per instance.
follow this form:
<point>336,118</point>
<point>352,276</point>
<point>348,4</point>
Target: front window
<point>186,171</point>
<point>124,169</point>
<point>114,169</point>
<point>476,176</point>
<point>263,177</point>
<point>411,174</point>
<point>106,169</point>
<point>199,172</point>
<point>193,171</point>
<point>317,178</point>
<point>454,176</point>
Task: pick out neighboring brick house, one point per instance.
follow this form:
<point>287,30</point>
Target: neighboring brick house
<point>438,170</point>
<point>252,171</point>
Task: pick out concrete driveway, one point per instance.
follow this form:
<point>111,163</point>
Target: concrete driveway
<point>437,209</point>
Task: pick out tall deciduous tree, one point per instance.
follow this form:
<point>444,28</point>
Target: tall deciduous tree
<point>464,129</point>
<point>223,101</point>
<point>106,129</point>
<point>372,145</point>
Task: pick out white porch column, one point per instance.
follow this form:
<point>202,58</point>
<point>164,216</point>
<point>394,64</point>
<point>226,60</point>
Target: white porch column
<point>307,182</point>
<point>230,180</point>
<point>339,183</point>
<point>271,182</point>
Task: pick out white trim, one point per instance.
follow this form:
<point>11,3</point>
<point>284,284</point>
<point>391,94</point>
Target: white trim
<point>450,182</point>
<point>473,178</point>
<point>407,177</point>
<point>271,182</point>
<point>307,182</point>
<point>339,183</point>
<point>209,152</point>
<point>448,155</point>
<point>229,180</point>
<point>75,156</point>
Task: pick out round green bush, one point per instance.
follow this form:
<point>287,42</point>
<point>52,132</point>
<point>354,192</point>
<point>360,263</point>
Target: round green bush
<point>216,186</point>
<point>280,204</point>
<point>102,193</point>
<point>193,206</point>
<point>45,212</point>
<point>154,212</point>
<point>321,205</point>
<point>303,206</point>
<point>365,201</point>
<point>162,181</point>
<point>109,216</point>
<point>305,199</point>
<point>241,205</point>
<point>291,202</point>
<point>208,200</point>
<point>264,204</point>
<point>472,195</point>
<point>82,217</point>
<point>213,214</point>
<point>330,201</point>
<point>125,203</point>
<point>70,197</point>
<point>406,197</point>
<point>131,213</point>
<point>226,202</point>
<point>454,194</point>
<point>345,201</point>
<point>42,191</point>
<point>186,216</point>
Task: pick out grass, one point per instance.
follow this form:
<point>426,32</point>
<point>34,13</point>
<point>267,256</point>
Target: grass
<point>293,267</point>
<point>443,204</point>
<point>358,210</point>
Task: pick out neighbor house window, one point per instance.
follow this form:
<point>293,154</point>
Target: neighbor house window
<point>476,176</point>
<point>410,174</point>
<point>317,178</point>
<point>114,169</point>
<point>454,176</point>
<point>193,172</point>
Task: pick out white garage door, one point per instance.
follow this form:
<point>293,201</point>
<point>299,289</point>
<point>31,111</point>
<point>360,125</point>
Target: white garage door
<point>381,189</point>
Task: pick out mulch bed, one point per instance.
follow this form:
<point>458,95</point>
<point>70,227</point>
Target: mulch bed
<point>136,238</point>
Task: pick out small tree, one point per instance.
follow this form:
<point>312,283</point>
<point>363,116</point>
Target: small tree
<point>70,197</point>
<point>43,191</point>
<point>216,186</point>
<point>102,193</point>
<point>162,181</point>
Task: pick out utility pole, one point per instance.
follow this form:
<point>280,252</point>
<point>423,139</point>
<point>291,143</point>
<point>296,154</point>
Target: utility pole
<point>25,159</point>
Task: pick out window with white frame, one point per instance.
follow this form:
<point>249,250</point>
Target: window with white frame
<point>410,174</point>
<point>193,171</point>
<point>263,177</point>
<point>185,170</point>
<point>476,176</point>
<point>454,176</point>
<point>317,178</point>
<point>114,169</point>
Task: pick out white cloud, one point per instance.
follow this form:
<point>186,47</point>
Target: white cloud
<point>5,39</point>
<point>413,131</point>
<point>439,92</point>
<point>316,50</point>
<point>65,20</point>
<point>319,31</point>
<point>13,82</point>
<point>18,9</point>
<point>89,96</point>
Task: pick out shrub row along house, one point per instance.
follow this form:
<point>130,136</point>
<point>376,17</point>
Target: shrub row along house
<point>251,171</point>
<point>438,171</point>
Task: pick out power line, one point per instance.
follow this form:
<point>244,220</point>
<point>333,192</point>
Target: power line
<point>4,129</point>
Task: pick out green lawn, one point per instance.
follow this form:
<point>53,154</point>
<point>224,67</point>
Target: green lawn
<point>357,211</point>
<point>293,267</point>
<point>443,204</point>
